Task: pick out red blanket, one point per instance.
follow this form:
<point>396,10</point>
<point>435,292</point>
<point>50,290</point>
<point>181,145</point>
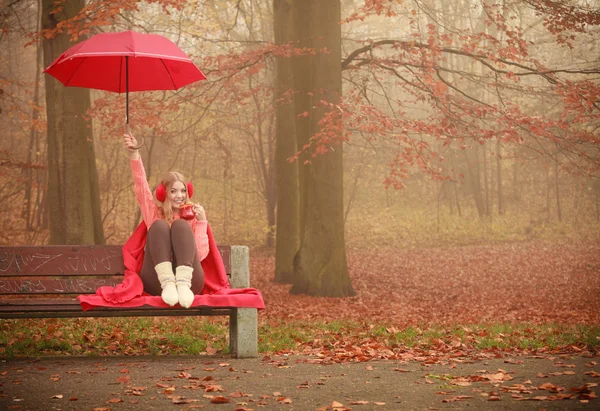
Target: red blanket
<point>130,293</point>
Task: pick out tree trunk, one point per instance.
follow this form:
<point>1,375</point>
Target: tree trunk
<point>286,173</point>
<point>486,181</point>
<point>32,155</point>
<point>301,74</point>
<point>472,181</point>
<point>548,196</point>
<point>73,193</point>
<point>556,184</point>
<point>499,178</point>
<point>320,267</point>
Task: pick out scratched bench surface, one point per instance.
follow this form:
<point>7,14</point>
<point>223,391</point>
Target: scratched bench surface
<point>64,270</point>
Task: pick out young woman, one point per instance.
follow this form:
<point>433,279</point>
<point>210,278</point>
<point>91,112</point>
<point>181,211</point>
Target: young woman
<point>175,246</point>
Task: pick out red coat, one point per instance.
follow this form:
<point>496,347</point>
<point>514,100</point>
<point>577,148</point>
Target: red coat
<point>217,291</point>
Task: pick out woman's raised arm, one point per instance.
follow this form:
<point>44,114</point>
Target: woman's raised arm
<point>143,194</point>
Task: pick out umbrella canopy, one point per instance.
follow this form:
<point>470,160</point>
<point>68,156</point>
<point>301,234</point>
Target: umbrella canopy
<point>124,62</point>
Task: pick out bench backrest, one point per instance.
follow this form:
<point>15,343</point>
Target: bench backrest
<point>65,269</point>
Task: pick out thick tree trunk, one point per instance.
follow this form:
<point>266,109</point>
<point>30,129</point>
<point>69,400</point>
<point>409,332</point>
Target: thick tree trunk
<point>73,194</point>
<point>320,267</point>
<point>287,218</point>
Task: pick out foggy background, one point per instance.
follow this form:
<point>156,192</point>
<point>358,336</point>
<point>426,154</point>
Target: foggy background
<point>526,178</point>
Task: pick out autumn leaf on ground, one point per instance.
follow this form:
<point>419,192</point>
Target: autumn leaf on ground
<point>493,396</point>
<point>497,377</point>
<point>284,400</point>
<point>124,379</point>
<point>336,406</point>
<point>550,387</point>
<point>178,399</point>
<point>239,394</point>
<point>457,398</point>
<point>214,388</point>
<point>220,400</point>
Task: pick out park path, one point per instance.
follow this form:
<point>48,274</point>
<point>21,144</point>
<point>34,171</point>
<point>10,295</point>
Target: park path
<point>297,383</point>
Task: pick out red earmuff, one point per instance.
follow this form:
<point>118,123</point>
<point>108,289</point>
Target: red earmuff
<point>161,192</point>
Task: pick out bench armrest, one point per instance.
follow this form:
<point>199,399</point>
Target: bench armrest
<point>240,266</point>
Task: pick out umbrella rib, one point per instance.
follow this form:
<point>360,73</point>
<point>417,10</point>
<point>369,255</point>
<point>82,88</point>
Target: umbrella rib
<point>75,71</point>
<point>169,73</point>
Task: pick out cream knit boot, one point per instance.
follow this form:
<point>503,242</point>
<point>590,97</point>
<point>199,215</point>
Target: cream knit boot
<point>183,275</point>
<point>167,282</point>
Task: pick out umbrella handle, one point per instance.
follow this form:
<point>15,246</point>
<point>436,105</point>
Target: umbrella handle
<point>141,144</point>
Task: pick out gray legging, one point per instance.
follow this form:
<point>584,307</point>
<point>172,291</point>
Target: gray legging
<point>164,242</point>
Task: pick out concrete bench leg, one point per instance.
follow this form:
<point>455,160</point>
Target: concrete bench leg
<point>243,332</point>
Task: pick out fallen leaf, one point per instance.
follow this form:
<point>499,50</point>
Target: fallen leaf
<point>124,379</point>
<point>220,400</point>
<point>457,398</point>
<point>497,377</point>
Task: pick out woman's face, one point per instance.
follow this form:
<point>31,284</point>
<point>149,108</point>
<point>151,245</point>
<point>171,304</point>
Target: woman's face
<point>178,194</point>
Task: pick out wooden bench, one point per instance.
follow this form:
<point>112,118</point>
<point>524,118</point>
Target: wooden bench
<point>44,281</point>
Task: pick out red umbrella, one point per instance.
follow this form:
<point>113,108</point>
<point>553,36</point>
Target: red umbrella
<point>124,62</point>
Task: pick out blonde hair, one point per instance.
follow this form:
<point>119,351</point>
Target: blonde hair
<point>166,206</point>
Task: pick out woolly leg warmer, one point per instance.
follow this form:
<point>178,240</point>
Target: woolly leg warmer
<point>183,275</point>
<point>167,282</point>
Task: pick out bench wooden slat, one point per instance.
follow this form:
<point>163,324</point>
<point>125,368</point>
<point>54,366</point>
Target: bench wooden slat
<point>44,285</point>
<point>70,260</point>
<point>61,259</point>
<point>70,303</point>
<point>66,308</point>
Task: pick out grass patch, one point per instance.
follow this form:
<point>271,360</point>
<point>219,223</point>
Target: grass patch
<point>194,336</point>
